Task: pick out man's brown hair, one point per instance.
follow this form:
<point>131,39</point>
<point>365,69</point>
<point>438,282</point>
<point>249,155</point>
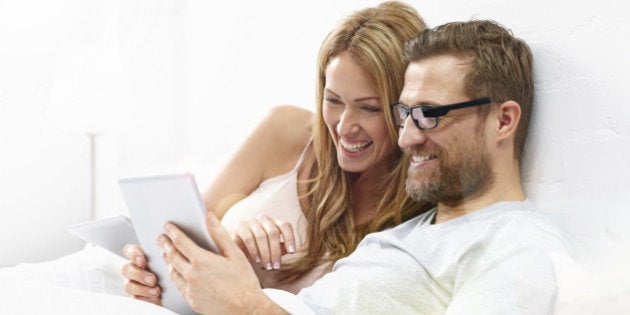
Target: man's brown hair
<point>500,64</point>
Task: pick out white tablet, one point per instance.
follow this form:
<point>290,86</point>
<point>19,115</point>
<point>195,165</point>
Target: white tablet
<point>110,233</point>
<point>155,200</point>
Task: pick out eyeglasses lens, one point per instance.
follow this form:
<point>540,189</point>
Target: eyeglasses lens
<point>423,122</point>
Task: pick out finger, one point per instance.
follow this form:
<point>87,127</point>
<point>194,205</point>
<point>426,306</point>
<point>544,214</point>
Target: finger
<point>239,242</point>
<point>273,239</point>
<point>172,257</point>
<point>286,229</point>
<point>221,237</point>
<point>138,289</point>
<point>135,254</point>
<point>261,239</point>
<point>176,278</point>
<point>137,274</point>
<point>245,239</point>
<point>182,243</point>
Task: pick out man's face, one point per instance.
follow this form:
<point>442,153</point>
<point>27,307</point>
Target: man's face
<point>448,163</point>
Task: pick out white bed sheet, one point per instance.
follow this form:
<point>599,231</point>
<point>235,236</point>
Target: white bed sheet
<point>89,282</point>
<point>84,282</point>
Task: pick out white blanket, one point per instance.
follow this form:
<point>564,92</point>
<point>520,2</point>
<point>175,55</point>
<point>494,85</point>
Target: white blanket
<point>85,282</point>
<point>89,282</point>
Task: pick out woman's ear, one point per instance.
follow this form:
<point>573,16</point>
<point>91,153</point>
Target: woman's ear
<point>509,115</point>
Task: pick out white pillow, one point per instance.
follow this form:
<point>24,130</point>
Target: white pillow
<point>590,289</point>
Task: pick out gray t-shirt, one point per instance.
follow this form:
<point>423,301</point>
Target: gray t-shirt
<point>497,260</point>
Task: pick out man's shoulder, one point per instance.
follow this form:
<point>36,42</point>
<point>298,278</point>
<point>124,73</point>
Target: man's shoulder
<point>529,217</point>
<point>527,227</point>
<point>401,232</point>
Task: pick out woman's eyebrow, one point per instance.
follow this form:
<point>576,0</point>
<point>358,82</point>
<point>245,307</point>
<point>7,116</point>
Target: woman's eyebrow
<point>331,92</point>
<point>361,99</point>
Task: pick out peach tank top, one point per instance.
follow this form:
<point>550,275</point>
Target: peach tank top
<point>277,197</point>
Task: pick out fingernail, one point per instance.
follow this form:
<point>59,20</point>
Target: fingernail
<point>291,249</point>
<point>149,280</point>
<point>276,265</point>
<point>257,259</point>
<point>160,239</point>
<point>153,291</point>
<point>269,266</point>
<point>138,261</point>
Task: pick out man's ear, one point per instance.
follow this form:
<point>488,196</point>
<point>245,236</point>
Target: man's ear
<point>509,115</point>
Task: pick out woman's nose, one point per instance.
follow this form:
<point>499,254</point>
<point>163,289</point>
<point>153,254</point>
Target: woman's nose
<point>348,123</point>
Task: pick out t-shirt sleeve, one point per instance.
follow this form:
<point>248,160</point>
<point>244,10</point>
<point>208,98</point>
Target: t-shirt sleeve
<point>507,279</point>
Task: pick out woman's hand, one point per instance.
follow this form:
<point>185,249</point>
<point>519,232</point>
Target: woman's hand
<point>213,283</point>
<point>140,283</point>
<point>265,240</point>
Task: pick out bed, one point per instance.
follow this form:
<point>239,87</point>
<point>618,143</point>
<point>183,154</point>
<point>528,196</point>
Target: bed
<point>84,282</point>
<point>88,281</point>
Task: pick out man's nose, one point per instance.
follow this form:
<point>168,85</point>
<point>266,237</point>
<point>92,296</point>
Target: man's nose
<point>410,135</point>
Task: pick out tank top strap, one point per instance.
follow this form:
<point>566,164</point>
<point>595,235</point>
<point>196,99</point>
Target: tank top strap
<point>299,161</point>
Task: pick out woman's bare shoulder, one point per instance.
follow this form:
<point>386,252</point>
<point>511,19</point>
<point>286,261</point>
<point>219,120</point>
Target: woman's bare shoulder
<point>291,115</point>
<point>286,130</point>
<point>288,125</point>
<point>271,149</point>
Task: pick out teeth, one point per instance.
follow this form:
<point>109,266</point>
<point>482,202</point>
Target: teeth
<point>420,158</point>
<point>355,147</point>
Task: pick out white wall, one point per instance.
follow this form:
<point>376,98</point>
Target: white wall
<point>176,85</point>
<point>249,57</point>
<point>43,182</point>
<point>71,67</point>
<point>580,133</point>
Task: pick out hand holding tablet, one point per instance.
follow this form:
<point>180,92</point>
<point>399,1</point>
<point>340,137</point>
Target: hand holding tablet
<point>153,201</point>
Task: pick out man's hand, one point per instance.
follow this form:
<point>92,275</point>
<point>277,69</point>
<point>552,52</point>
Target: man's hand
<point>223,283</point>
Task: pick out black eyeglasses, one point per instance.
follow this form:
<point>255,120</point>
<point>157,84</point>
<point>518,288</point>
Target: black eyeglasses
<point>427,116</point>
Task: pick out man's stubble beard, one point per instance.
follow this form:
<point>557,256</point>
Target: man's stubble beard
<point>463,170</point>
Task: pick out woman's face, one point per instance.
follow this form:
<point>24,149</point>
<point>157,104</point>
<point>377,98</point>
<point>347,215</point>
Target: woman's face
<point>355,116</point>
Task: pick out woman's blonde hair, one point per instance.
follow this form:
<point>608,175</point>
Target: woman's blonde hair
<point>375,37</point>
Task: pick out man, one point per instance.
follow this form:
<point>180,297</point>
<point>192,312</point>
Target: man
<point>463,115</point>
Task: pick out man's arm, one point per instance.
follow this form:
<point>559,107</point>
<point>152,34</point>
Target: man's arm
<point>516,280</point>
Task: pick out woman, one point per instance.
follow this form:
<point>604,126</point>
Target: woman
<point>304,189</point>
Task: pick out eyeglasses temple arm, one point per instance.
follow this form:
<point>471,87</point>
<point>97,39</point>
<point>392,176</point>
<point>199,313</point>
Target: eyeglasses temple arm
<point>443,110</point>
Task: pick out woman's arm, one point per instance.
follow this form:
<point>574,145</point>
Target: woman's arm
<point>270,150</point>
